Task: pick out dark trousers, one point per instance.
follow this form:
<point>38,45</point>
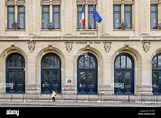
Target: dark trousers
<point>53,98</point>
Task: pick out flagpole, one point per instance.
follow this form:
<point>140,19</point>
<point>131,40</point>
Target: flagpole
<point>81,18</point>
<point>92,18</point>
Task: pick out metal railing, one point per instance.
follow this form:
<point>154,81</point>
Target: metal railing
<point>80,98</point>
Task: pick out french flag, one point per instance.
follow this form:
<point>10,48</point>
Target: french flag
<point>83,16</point>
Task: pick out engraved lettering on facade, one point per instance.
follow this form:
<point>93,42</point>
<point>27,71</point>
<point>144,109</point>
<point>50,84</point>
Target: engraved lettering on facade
<point>86,33</point>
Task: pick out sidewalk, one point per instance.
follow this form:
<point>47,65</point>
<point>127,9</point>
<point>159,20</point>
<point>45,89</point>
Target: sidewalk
<point>77,104</point>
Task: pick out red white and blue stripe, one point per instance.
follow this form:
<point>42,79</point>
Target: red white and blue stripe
<point>83,16</point>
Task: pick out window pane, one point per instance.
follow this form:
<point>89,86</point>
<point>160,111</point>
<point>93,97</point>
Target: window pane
<point>16,61</point>
<point>118,77</point>
<point>55,78</point>
<point>159,62</point>
<point>155,79</point>
<point>45,16</point>
<point>154,17</point>
<point>10,16</point>
<point>56,17</point>
<point>92,62</point>
<point>46,76</point>
<point>51,61</point>
<point>117,62</point>
<point>81,62</point>
<point>123,62</point>
<point>86,61</point>
<point>11,77</point>
<point>116,16</point>
<point>129,63</point>
<point>91,77</point>
<point>127,78</point>
<point>91,21</point>
<point>56,62</point>
<point>89,62</point>
<point>154,63</point>
<point>21,17</point>
<point>82,79</point>
<point>20,77</point>
<point>128,16</point>
<point>79,17</point>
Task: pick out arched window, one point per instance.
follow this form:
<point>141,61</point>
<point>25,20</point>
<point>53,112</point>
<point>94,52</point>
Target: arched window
<point>15,73</point>
<point>87,74</point>
<point>50,73</point>
<point>124,74</point>
<point>156,74</point>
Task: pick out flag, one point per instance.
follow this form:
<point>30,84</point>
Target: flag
<point>96,15</point>
<point>83,16</point>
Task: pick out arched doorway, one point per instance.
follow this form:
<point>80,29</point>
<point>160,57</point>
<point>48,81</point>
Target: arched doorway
<point>124,74</point>
<point>50,73</point>
<point>15,73</point>
<point>87,74</point>
<point>156,74</point>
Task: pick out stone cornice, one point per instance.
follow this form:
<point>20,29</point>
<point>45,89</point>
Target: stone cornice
<point>80,38</point>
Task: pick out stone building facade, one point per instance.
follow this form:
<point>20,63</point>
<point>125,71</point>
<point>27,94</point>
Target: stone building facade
<point>44,46</point>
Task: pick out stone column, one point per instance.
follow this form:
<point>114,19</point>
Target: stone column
<point>31,83</point>
<point>68,82</point>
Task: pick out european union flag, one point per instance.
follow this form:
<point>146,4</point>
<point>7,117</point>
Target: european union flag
<point>96,15</point>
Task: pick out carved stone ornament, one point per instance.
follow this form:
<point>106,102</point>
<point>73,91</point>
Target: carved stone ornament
<point>31,45</point>
<point>146,45</point>
<point>13,46</point>
<point>50,47</point>
<point>126,46</point>
<point>107,46</point>
<point>69,46</point>
<point>87,46</point>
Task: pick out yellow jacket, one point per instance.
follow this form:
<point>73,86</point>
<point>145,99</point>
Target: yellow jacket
<point>53,94</point>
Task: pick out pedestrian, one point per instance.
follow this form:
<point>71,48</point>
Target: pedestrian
<point>53,95</point>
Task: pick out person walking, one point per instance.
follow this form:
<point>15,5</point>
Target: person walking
<point>53,95</point>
